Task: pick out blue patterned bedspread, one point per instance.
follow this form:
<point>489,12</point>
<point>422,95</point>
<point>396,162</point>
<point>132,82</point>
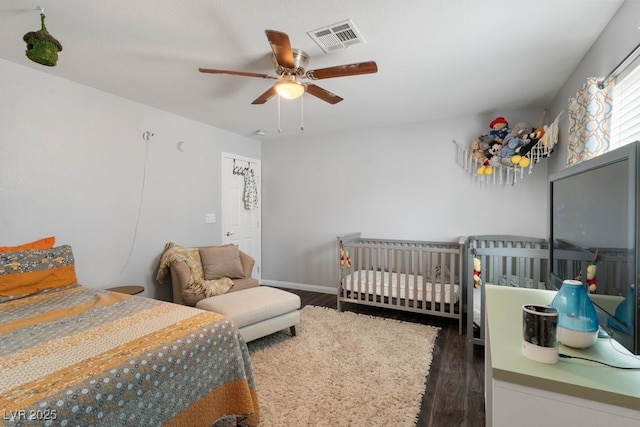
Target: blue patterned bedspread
<point>83,357</point>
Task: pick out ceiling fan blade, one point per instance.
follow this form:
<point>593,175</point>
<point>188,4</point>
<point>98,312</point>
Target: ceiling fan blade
<point>323,94</point>
<point>267,95</point>
<point>235,73</point>
<point>281,47</point>
<point>343,70</point>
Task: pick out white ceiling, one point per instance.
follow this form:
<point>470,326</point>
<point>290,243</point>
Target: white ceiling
<point>436,58</point>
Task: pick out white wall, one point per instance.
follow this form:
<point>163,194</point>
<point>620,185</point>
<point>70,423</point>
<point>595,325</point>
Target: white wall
<point>401,182</point>
<point>73,164</point>
<point>619,38</point>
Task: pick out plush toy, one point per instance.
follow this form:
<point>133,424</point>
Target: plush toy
<point>345,259</point>
<point>547,141</point>
<point>485,141</point>
<point>521,157</point>
<point>477,269</point>
<point>477,153</point>
<point>511,144</point>
<point>490,156</point>
<point>499,128</point>
<point>534,137</point>
<point>516,138</point>
<point>591,278</point>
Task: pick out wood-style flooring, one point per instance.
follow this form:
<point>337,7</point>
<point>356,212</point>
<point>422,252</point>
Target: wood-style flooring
<point>454,394</point>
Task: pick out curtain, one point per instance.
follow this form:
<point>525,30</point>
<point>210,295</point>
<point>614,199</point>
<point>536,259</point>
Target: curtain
<point>589,122</point>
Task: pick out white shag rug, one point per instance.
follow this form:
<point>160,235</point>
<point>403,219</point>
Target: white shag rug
<point>343,369</point>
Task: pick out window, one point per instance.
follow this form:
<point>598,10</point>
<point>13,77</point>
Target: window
<point>625,117</point>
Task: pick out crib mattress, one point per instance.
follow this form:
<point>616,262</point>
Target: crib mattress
<point>401,286</point>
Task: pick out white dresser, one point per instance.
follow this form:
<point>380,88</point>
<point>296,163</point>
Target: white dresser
<point>521,392</point>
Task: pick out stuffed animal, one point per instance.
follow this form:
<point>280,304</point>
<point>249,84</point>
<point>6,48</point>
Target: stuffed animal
<point>547,142</point>
<point>477,153</point>
<point>494,149</point>
<point>516,138</point>
<point>499,128</point>
<point>591,278</point>
<point>490,157</point>
<point>521,157</point>
<point>345,259</point>
<point>534,137</point>
<point>511,144</point>
<point>485,141</point>
<point>477,269</point>
<point>521,129</point>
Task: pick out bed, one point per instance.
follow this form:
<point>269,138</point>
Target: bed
<point>72,355</point>
<point>407,275</point>
<point>517,261</point>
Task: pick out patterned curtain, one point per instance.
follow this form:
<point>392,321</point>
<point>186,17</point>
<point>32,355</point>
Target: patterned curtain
<point>589,122</point>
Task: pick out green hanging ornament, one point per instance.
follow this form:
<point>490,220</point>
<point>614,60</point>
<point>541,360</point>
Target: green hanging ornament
<point>42,47</point>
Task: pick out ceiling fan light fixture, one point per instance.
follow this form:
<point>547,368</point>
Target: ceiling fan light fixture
<point>288,87</point>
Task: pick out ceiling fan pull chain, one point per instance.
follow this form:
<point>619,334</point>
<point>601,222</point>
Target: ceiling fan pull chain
<point>279,130</point>
<point>302,113</point>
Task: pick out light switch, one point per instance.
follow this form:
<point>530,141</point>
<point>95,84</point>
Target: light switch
<point>209,218</point>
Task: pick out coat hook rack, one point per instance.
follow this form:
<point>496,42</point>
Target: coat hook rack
<point>239,170</point>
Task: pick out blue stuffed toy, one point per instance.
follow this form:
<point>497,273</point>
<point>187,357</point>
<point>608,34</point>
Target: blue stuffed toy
<point>515,139</point>
<point>499,128</point>
<point>511,143</point>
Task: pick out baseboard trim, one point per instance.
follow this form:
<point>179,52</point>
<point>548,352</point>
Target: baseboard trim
<point>300,286</point>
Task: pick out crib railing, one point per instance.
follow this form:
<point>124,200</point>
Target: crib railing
<point>506,260</point>
<point>407,275</point>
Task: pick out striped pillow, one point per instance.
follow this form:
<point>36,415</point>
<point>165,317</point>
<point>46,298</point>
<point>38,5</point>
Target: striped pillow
<point>23,273</point>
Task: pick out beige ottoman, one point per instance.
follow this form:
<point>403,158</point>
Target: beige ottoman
<point>257,311</point>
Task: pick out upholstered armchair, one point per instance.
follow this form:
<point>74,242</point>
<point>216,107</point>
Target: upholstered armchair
<point>216,262</point>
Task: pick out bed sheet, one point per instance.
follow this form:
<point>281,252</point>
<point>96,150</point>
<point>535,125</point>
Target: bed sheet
<point>403,286</point>
<point>79,356</point>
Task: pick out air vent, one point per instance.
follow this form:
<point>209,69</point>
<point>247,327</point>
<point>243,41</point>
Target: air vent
<point>336,36</point>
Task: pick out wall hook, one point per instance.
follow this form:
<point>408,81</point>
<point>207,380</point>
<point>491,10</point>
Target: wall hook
<point>147,135</point>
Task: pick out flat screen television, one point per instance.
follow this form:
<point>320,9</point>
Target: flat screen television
<point>593,212</point>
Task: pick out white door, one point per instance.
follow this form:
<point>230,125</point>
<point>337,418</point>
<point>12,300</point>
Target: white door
<point>241,225</point>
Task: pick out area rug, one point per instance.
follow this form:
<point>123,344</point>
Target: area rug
<point>343,369</point>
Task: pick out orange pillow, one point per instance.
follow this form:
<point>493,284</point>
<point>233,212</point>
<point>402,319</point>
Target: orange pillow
<point>46,243</point>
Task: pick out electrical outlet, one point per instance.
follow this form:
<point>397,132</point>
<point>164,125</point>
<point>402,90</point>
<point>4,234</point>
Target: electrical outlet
<point>210,218</point>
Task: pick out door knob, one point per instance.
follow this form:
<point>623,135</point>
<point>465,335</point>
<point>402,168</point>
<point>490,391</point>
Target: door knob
<point>229,233</point>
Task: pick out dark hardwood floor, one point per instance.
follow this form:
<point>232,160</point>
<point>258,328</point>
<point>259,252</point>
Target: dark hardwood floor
<point>454,394</point>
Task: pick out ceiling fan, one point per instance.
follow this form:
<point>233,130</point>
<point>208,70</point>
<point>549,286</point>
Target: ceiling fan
<point>290,66</point>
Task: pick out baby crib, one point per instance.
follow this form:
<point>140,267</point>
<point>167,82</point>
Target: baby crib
<point>517,261</point>
<point>416,276</point>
